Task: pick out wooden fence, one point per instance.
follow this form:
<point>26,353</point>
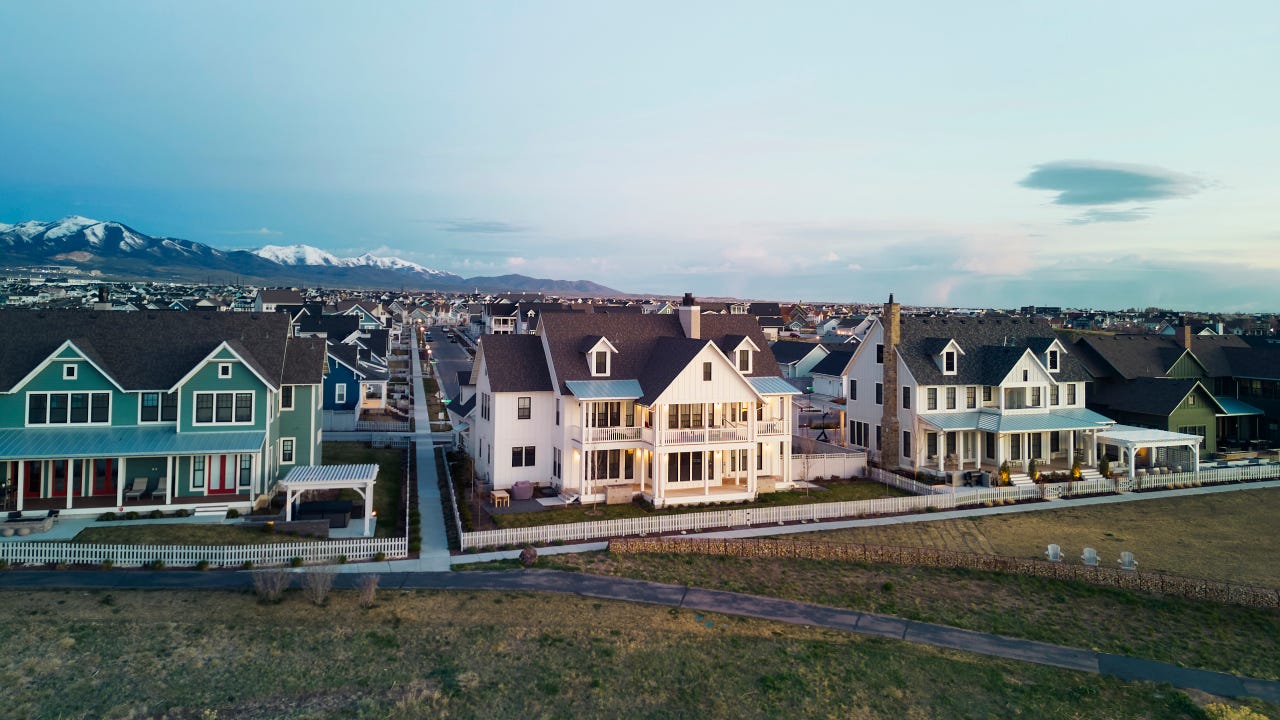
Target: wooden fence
<point>1194,588</point>
<point>744,517</point>
<point>326,551</point>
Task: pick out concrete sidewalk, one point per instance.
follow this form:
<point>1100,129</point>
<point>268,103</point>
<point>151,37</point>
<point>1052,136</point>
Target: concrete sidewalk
<point>702,600</point>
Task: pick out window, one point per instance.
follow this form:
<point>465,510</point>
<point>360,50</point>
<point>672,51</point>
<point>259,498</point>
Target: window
<point>1195,430</point>
<point>906,443</point>
<point>1035,397</point>
<point>1191,400</point>
<point>1071,394</point>
<point>971,397</point>
<point>612,464</point>
<point>951,398</point>
<point>224,408</point>
<point>853,388</point>
<point>340,393</point>
<point>150,411</point>
<point>685,467</point>
<point>931,445</point>
<point>484,406</point>
<point>556,460</point>
<point>859,432</point>
<point>197,471</point>
<point>906,398</point>
<point>879,393</point>
<point>69,371</point>
<point>1053,361</point>
<point>744,360</point>
<point>949,362</point>
<point>986,393</point>
<point>880,353</point>
<point>706,372</point>
<point>224,370</point>
<point>69,408</point>
<point>931,398</point>
<point>286,451</point>
<point>1025,375</point>
<point>600,363</point>
<point>1053,394</point>
<point>604,414</point>
<point>246,470</point>
<point>522,456</point>
<point>524,408</point>
<point>557,414</point>
<point>286,397</point>
<point>877,437</point>
<point>684,416</point>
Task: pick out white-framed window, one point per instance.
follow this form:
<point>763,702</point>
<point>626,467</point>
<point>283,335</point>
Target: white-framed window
<point>286,451</point>
<point>706,372</point>
<point>906,397</point>
<point>224,370</point>
<point>949,362</point>
<point>77,408</point>
<point>223,408</point>
<point>1053,361</point>
<point>931,398</point>
<point>951,398</point>
<point>484,406</point>
<point>1053,394</point>
<point>197,472</point>
<point>556,463</point>
<point>158,407</point>
<point>522,456</point>
<point>69,371</point>
<point>906,443</point>
<point>879,393</point>
<point>286,397</point>
<point>744,360</point>
<point>971,397</point>
<point>246,470</point>
<point>340,393</point>
<point>524,408</point>
<point>1071,393</point>
<point>600,363</point>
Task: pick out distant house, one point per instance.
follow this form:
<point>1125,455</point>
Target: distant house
<point>268,298</point>
<point>797,359</point>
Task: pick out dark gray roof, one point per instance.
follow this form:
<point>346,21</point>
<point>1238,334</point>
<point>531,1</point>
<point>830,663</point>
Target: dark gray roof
<point>790,351</point>
<point>515,363</point>
<point>337,327</point>
<point>764,308</point>
<point>1258,363</point>
<point>464,377</point>
<point>670,356</point>
<point>991,348</point>
<point>833,364</point>
<point>1134,356</point>
<point>1148,395</point>
<point>152,350</point>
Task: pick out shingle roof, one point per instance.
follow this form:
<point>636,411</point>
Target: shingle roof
<point>833,364</point>
<point>1148,395</point>
<point>1254,362</point>
<point>515,363</point>
<point>991,347</point>
<point>790,351</point>
<point>152,350</point>
<point>1134,356</point>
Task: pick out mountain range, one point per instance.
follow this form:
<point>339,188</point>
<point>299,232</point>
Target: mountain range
<point>117,250</point>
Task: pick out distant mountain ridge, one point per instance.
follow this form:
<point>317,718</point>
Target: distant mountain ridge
<point>113,248</point>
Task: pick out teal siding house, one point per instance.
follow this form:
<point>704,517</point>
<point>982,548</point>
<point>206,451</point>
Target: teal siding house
<point>136,411</point>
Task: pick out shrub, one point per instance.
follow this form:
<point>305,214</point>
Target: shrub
<point>108,563</point>
<point>247,565</point>
<point>368,590</point>
<point>157,564</point>
<point>60,566</point>
<point>379,556</point>
<point>131,515</point>
<point>295,562</point>
<point>184,512</point>
<point>232,514</point>
<point>107,516</point>
<point>415,544</point>
<point>269,585</point>
<point>1104,466</point>
<point>342,559</point>
<point>528,556</point>
<point>317,584</point>
<point>202,565</point>
<point>268,527</point>
<point>4,564</point>
<point>155,514</point>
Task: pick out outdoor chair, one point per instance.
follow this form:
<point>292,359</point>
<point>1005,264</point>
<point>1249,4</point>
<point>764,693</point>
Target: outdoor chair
<point>162,489</point>
<point>137,486</point>
<point>1055,553</point>
<point>1127,562</point>
<point>1090,557</point>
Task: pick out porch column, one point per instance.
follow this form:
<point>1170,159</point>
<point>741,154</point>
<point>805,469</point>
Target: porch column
<point>1133,458</point>
<point>999,450</point>
<point>1195,458</point>
<point>753,480</point>
<point>120,480</point>
<point>71,481</point>
<point>367,496</point>
<point>1093,448</point>
<point>22,482</point>
<point>708,465</point>
<point>1071,448</point>
<point>170,485</point>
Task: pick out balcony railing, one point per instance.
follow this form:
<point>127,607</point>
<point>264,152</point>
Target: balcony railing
<point>611,434</point>
<point>702,436</point>
<point>772,427</point>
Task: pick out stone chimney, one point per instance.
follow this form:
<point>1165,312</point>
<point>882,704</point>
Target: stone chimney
<point>104,295</point>
<point>890,431</point>
<point>1186,336</point>
<point>690,317</point>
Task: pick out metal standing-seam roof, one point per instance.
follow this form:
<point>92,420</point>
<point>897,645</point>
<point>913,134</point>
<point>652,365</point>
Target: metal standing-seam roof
<point>605,389</point>
<point>1233,407</point>
<point>772,386</point>
<point>97,442</point>
<point>1065,419</point>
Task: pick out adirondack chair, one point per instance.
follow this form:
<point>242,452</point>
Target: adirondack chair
<point>1127,562</point>
<point>1055,553</point>
<point>1090,557</point>
<point>137,486</point>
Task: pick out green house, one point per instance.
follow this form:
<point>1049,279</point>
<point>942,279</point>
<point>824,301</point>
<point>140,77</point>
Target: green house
<point>147,410</point>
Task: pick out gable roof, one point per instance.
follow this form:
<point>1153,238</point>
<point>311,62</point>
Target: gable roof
<point>834,363</point>
<point>1134,356</point>
<point>991,346</point>
<point>790,351</point>
<point>153,350</point>
<point>1148,395</point>
<point>515,363</point>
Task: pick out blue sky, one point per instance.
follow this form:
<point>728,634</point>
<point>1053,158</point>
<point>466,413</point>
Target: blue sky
<point>970,154</point>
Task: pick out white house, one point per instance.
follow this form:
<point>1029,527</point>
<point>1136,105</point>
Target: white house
<point>796,358</point>
<point>955,393</point>
<point>680,408</point>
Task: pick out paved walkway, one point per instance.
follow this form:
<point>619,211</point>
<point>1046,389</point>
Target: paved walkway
<point>692,598</point>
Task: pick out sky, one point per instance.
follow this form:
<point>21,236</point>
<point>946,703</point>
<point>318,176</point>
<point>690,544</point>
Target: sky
<point>985,154</point>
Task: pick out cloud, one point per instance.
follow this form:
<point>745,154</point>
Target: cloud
<point>1092,182</point>
<point>259,231</point>
<point>515,261</point>
<point>481,227</point>
<point>1094,215</point>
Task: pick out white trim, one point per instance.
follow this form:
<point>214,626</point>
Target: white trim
<point>53,357</point>
<point>159,408</point>
<point>210,358</point>
<point>69,370</point>
<point>340,393</point>
<point>293,450</point>
<point>224,371</point>
<point>195,407</point>
<point>26,408</point>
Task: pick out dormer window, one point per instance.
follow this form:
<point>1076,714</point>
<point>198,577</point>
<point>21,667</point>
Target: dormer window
<point>600,363</point>
<point>949,362</point>
<point>1053,361</point>
<point>744,360</point>
<point>599,352</point>
<point>69,371</point>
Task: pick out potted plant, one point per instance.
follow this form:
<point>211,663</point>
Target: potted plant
<point>1104,466</point>
<point>1032,471</point>
<point>1075,470</point>
<point>1004,473</point>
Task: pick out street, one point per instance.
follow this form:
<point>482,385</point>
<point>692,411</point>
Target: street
<point>449,359</point>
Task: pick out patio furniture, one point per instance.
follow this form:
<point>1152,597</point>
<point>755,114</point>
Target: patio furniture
<point>162,489</point>
<point>1055,553</point>
<point>137,486</point>
<point>1090,557</point>
<point>1127,562</point>
<point>500,498</point>
<point>522,490</point>
<point>336,512</point>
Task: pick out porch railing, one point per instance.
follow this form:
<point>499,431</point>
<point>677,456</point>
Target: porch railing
<point>611,434</point>
<point>772,427</point>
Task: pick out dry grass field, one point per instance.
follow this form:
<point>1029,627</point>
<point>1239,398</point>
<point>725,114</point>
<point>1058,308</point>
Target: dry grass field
<point>1233,536</point>
<point>205,655</point>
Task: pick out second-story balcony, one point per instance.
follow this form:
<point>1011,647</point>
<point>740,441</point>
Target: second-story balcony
<point>611,434</point>
<point>773,427</point>
<point>703,436</point>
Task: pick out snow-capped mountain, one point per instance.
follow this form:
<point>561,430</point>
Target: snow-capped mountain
<point>113,248</point>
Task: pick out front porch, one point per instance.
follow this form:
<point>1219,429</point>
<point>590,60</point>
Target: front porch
<point>96,505</point>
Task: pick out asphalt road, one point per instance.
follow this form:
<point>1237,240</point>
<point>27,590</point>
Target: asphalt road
<point>450,359</point>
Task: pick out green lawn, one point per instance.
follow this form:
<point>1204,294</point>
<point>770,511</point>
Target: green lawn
<point>1195,634</point>
<point>387,499</point>
<point>834,491</point>
<point>195,655</point>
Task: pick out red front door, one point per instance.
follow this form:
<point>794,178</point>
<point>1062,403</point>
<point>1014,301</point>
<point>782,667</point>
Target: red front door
<point>222,478</point>
<point>104,477</point>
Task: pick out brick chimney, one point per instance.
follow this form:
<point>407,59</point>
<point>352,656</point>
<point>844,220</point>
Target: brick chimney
<point>1186,336</point>
<point>890,431</point>
<point>690,317</point>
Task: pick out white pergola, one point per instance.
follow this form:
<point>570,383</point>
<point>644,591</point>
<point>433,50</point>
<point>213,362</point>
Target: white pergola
<point>330,477</point>
<point>1130,439</point>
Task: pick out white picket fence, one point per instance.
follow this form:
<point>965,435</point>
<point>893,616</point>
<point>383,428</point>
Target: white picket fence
<point>327,551</point>
<point>745,517</point>
<point>885,477</point>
